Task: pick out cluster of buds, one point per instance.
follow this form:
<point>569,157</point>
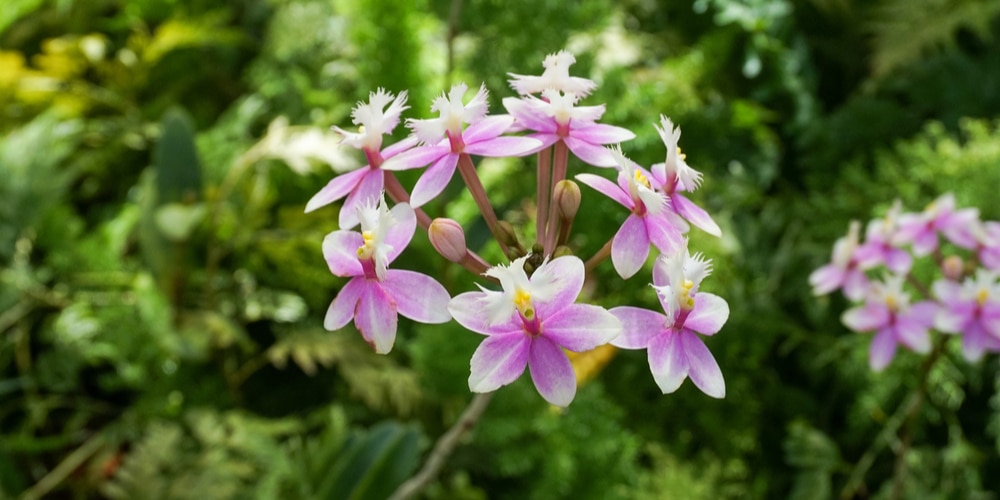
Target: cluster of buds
<point>963,300</point>
<point>528,311</point>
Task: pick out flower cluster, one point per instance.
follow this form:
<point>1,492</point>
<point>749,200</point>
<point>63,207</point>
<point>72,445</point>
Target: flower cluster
<point>963,299</point>
<point>528,311</point>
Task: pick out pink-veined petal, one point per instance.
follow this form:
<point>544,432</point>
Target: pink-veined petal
<point>341,310</point>
<point>599,133</point>
<point>607,188</point>
<point>417,157</point>
<point>467,310</point>
<point>639,326</point>
<point>709,314</point>
<point>369,189</point>
<point>487,128</point>
<point>376,317</point>
<point>340,251</point>
<point>882,350</point>
<point>551,372</point>
<point>662,234</point>
<point>528,116</point>
<point>866,318</point>
<point>667,361</point>
<point>562,280</point>
<point>589,153</point>
<point>504,146</point>
<point>702,367</point>
<point>434,180</point>
<point>826,279</point>
<point>400,147</point>
<point>399,234</point>
<point>581,327</point>
<point>630,247</point>
<point>336,189</point>
<point>418,296</point>
<point>695,215</point>
<point>498,361</point>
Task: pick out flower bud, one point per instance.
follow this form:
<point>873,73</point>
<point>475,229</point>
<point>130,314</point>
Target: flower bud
<point>448,238</point>
<point>567,198</point>
<point>953,267</point>
<point>562,251</point>
<point>506,234</point>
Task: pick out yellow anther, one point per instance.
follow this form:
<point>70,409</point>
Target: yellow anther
<point>689,304</point>
<point>982,296</point>
<point>681,155</point>
<point>522,300</point>
<point>688,285</point>
<point>890,301</point>
<point>640,178</point>
<point>361,129</point>
<point>368,247</point>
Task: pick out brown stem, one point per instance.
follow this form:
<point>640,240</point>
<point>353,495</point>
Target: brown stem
<point>601,254</point>
<point>471,178</point>
<point>443,448</point>
<point>544,174</point>
<point>399,195</point>
<point>561,157</point>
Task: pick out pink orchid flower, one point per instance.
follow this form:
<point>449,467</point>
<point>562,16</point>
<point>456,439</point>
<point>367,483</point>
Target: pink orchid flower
<point>674,349</point>
<point>674,176</point>
<point>367,182</point>
<point>528,323</point>
<point>444,141</point>
<point>888,312</point>
<point>881,245</point>
<point>921,229</point>
<point>557,118</point>
<point>971,309</point>
<point>843,270</point>
<point>649,222</point>
<point>376,295</point>
<point>556,76</point>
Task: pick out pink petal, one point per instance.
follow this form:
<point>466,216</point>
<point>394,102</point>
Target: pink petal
<point>912,334</point>
<point>662,234</point>
<point>504,146</point>
<point>639,326</point>
<point>376,317</point>
<point>826,279</point>
<point>866,318</point>
<point>434,180</point>
<point>695,215</point>
<point>589,153</point>
<point>599,133</point>
<point>949,320</point>
<point>398,235</point>
<point>561,277</point>
<point>667,361</point>
<point>551,372</point>
<point>368,190</point>
<point>709,314</point>
<point>855,284</point>
<point>341,310</point>
<point>882,350</point>
<point>418,296</point>
<point>336,189</point>
<point>399,147</point>
<point>923,312</point>
<point>417,157</point>
<point>581,327</point>
<point>630,247</point>
<point>487,128</point>
<point>340,250</point>
<point>498,361</point>
<point>467,310</point>
<point>529,117</point>
<point>607,188</point>
<point>702,367</point>
<point>898,260</point>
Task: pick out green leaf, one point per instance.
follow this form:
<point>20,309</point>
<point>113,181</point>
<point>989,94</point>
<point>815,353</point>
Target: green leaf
<point>178,171</point>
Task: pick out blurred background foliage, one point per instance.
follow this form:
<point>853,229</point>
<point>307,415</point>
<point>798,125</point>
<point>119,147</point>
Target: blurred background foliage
<point>162,292</point>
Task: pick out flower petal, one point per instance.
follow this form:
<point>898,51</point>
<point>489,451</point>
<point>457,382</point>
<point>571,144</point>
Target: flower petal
<point>434,180</point>
<point>912,334</point>
<point>487,128</point>
<point>695,214</point>
<point>702,367</point>
<point>400,147</point>
<point>639,326</point>
<point>866,318</point>
<point>417,157</point>
<point>607,188</point>
<point>662,234</point>
<point>341,310</point>
<point>467,310</point>
<point>498,361</point>
<point>368,189</point>
<point>418,296</point>
<point>340,251</point>
<point>336,189</point>
<point>528,116</point>
<point>400,233</point>
<point>882,350</point>
<point>504,146</point>
<point>826,279</point>
<point>376,317</point>
<point>589,153</point>
<point>630,247</point>
<point>561,280</point>
<point>581,327</point>
<point>599,133</point>
<point>551,372</point>
<point>667,361</point>
<point>709,314</point>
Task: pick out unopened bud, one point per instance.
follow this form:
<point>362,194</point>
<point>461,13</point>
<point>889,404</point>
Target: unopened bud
<point>953,267</point>
<point>562,251</point>
<point>448,238</point>
<point>506,234</point>
<point>567,198</point>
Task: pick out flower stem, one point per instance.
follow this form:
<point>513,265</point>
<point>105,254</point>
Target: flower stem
<point>544,173</point>
<point>559,166</point>
<point>444,446</point>
<point>471,178</point>
<point>398,194</point>
<point>601,254</point>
